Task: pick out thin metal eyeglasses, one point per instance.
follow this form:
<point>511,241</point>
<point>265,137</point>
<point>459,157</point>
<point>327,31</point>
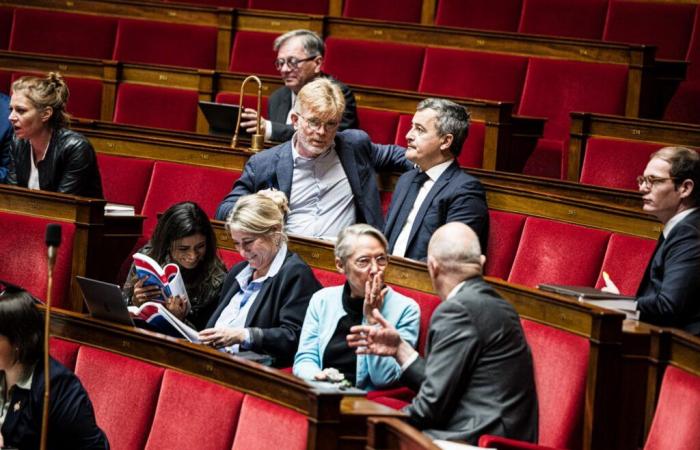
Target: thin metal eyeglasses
<point>292,62</point>
<point>364,262</point>
<point>651,180</point>
<point>317,124</point>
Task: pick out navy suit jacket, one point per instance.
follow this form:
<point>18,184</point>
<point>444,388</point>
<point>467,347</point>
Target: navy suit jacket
<point>280,103</point>
<point>455,197</point>
<point>669,294</point>
<point>274,168</point>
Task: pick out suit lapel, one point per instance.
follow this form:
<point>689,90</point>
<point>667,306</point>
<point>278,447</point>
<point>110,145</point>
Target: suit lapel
<point>285,169</point>
<point>347,160</point>
<point>259,300</point>
<point>439,185</point>
<point>280,114</point>
<point>397,202</point>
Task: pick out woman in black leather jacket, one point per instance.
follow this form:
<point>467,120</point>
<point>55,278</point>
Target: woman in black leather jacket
<point>44,154</point>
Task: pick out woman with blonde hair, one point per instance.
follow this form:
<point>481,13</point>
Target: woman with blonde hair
<point>44,153</point>
<point>264,298</point>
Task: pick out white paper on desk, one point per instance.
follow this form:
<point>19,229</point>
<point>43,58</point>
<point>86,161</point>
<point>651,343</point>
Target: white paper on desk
<point>449,445</point>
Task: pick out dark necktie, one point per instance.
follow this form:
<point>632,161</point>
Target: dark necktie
<point>406,207</point>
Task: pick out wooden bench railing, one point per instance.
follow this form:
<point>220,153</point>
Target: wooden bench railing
<point>332,419</point>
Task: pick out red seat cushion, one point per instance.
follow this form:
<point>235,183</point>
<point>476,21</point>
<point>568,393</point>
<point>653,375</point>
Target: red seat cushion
<point>427,304</point>
<point>158,107</point>
<point>297,6</point>
<point>625,260</point>
<point>125,180</point>
<point>676,421</point>
<point>5,26</point>
<point>615,163</point>
<point>409,11</point>
<point>185,416</point>
<point>479,75</point>
<point>59,33</point>
<point>560,361</point>
<point>683,107</point>
<point>505,229</point>
<point>264,425</point>
<point>630,21</point>
<point>342,56</point>
<point>379,124</point>
<point>63,351</point>
<point>124,393</point>
<point>252,53</point>
<point>328,278</point>
<point>205,186</point>
<point>24,256</point>
<point>502,15</point>
<point>583,19</point>
<point>558,253</point>
<point>229,257</point>
<point>171,44</point>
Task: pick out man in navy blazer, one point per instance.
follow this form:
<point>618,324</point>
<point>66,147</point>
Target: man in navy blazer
<point>328,176</point>
<point>437,191</point>
<point>669,294</point>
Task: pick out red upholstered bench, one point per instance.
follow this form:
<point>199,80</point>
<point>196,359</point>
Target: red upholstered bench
<point>125,180</point>
<point>158,107</point>
<point>497,15</point>
<point>387,10</point>
<point>252,53</point>
<point>297,6</point>
<point>615,163</point>
<point>583,19</point>
<point>379,124</point>
<point>625,260</point>
<point>505,229</point>
<point>24,256</point>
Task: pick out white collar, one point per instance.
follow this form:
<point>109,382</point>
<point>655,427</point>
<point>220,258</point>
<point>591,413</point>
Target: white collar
<point>675,220</point>
<point>437,170</point>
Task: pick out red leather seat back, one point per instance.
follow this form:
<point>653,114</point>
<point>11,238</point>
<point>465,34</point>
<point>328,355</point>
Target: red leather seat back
<point>683,107</point>
<point>676,422</point>
<point>125,180</point>
<point>343,57</point>
<point>157,107</point>
<point>65,352</point>
<point>630,21</point>
<point>625,260</point>
<point>558,253</point>
<point>108,377</point>
<point>482,75</point>
<point>172,183</point>
<point>427,304</point>
<point>379,124</point>
<point>328,278</point>
<point>60,33</point>
<point>229,257</point>
<point>561,365</point>
<point>499,15</point>
<point>388,10</point>
<point>264,425</point>
<point>505,229</point>
<point>583,19</point>
<point>615,163</point>
<point>194,413</point>
<point>252,53</point>
<point>24,256</point>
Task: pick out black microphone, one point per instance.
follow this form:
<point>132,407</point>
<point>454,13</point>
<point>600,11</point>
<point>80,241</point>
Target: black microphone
<point>53,240</point>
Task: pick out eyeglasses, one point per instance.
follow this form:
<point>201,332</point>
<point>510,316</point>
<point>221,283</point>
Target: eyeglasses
<point>651,180</point>
<point>292,62</point>
<point>318,124</point>
<point>364,262</point>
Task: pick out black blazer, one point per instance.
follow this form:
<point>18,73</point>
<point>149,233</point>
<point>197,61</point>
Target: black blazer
<point>455,197</point>
<point>478,376</point>
<point>669,294</point>
<point>71,419</point>
<point>360,158</point>
<point>275,319</point>
<point>280,103</point>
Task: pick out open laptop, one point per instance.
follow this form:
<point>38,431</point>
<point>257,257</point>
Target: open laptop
<point>104,301</point>
<point>222,118</point>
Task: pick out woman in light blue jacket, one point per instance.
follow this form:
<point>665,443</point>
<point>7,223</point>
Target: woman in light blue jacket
<point>360,254</point>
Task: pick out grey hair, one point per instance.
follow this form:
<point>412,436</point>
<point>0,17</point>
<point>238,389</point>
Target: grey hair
<point>345,245</point>
<point>312,42</point>
<point>451,119</point>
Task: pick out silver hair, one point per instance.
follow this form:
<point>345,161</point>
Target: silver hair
<point>312,42</point>
<point>345,245</point>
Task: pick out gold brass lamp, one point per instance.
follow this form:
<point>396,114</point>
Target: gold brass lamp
<point>256,141</point>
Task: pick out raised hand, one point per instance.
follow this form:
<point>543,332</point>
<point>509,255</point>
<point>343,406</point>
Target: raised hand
<point>177,306</point>
<point>143,294</point>
<point>374,296</point>
<point>249,120</point>
<point>383,340</point>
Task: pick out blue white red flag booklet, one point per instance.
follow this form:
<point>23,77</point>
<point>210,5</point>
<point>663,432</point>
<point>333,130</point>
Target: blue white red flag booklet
<point>159,319</point>
<point>168,278</point>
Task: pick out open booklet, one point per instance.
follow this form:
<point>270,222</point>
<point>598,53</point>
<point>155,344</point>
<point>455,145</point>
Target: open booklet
<point>167,278</point>
<point>623,303</point>
<point>160,320</point>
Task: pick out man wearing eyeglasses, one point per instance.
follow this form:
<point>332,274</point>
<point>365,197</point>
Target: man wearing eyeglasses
<point>669,294</point>
<point>328,175</point>
<point>299,59</point>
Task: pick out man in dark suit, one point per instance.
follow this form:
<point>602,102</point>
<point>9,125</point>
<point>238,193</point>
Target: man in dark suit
<point>437,191</point>
<point>477,377</point>
<point>669,294</point>
<point>299,59</point>
<point>328,176</point>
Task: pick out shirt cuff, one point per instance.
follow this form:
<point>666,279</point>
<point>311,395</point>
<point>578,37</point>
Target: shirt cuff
<point>268,130</point>
<point>245,345</point>
<point>411,359</point>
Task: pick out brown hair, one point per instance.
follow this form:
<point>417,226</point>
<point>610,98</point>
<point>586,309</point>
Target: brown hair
<point>685,165</point>
<point>51,91</point>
